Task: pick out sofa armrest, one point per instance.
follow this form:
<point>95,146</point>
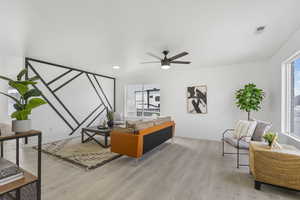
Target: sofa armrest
<point>157,128</point>
<point>126,144</point>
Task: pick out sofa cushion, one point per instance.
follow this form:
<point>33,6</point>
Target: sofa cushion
<point>244,128</point>
<point>234,142</point>
<point>143,125</point>
<point>132,123</point>
<point>139,125</point>
<point>261,128</point>
<point>162,120</point>
<point>123,130</point>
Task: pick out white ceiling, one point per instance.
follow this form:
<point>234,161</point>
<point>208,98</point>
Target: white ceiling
<point>103,33</point>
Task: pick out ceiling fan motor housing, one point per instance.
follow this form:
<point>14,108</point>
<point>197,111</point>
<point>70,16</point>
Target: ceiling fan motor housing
<point>165,52</point>
<point>165,62</point>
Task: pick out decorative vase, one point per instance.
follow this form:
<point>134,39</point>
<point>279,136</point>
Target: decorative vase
<point>270,143</point>
<point>110,124</point>
<point>19,126</point>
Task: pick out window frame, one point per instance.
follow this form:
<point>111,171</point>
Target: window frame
<point>143,109</point>
<point>286,95</point>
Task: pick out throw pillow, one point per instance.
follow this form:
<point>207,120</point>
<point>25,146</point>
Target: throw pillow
<point>261,128</point>
<point>244,128</point>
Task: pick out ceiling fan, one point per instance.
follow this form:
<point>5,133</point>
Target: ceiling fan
<point>166,62</point>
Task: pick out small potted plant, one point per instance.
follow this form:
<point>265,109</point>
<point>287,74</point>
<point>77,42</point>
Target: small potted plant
<point>27,101</point>
<point>110,118</point>
<point>270,137</point>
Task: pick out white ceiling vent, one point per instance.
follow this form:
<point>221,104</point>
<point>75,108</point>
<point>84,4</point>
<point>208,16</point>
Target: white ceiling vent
<point>260,29</point>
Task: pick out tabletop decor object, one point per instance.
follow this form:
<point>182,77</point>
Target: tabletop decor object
<point>270,138</point>
<point>110,118</point>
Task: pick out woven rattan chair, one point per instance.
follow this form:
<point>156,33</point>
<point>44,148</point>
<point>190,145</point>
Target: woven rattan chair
<point>242,144</point>
<point>279,167</point>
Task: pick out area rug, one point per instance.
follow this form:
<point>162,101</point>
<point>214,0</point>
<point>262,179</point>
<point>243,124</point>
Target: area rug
<point>89,155</point>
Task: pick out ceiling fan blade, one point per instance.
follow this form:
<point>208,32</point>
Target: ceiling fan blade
<point>181,62</point>
<point>154,56</point>
<point>150,62</point>
<point>178,56</point>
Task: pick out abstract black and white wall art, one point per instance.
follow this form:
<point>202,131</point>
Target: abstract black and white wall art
<point>197,99</point>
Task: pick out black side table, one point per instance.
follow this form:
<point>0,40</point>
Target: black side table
<point>28,177</point>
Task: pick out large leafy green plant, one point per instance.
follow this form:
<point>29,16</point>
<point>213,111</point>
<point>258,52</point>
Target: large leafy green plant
<point>249,98</point>
<point>28,96</point>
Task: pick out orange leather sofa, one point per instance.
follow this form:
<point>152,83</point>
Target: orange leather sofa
<point>137,143</point>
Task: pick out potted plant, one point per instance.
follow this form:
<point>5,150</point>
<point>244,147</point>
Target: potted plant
<point>110,118</point>
<point>27,101</point>
<point>270,137</point>
<point>249,98</point>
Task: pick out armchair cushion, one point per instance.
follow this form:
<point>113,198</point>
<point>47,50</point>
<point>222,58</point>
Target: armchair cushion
<point>234,142</point>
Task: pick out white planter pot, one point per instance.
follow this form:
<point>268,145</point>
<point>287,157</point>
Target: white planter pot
<point>19,126</point>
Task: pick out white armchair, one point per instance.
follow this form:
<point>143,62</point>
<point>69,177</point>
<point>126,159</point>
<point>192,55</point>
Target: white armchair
<point>242,143</point>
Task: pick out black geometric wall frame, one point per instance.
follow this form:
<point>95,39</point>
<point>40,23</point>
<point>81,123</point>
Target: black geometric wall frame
<point>104,104</point>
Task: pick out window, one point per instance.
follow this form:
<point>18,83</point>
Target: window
<point>142,100</point>
<point>291,96</point>
<point>12,92</point>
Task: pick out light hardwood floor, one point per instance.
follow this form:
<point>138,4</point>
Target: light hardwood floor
<point>188,169</point>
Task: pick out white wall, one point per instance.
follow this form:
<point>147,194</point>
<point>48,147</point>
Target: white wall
<point>78,96</point>
<point>287,50</point>
<point>9,66</point>
<point>14,27</point>
<point>222,82</point>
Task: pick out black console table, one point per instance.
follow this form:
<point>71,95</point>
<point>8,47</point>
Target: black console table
<point>93,131</point>
<point>28,177</point>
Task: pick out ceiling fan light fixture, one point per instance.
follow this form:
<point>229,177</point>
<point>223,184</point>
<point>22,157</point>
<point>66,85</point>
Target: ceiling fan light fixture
<point>165,67</point>
<point>167,61</point>
<point>116,67</point>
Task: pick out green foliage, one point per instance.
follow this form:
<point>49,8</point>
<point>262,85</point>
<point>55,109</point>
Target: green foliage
<point>32,93</point>
<point>110,115</point>
<point>21,74</point>
<point>35,78</point>
<point>22,89</point>
<point>269,137</point>
<point>249,98</point>
<point>34,103</point>
<point>28,97</point>
<point>5,78</point>
<point>13,98</point>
